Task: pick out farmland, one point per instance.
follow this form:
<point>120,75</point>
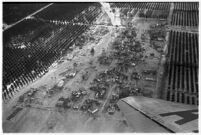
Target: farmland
<point>182,67</point>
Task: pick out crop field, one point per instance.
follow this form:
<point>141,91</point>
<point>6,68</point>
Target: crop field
<point>182,67</point>
<point>185,18</point>
<point>142,5</point>
<point>36,47</point>
<point>62,11</point>
<point>185,14</point>
<point>190,6</point>
<point>159,14</point>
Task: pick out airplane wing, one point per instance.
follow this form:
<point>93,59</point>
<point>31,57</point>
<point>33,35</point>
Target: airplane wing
<point>156,115</point>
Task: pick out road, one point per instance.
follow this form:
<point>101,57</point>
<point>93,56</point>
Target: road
<point>9,26</point>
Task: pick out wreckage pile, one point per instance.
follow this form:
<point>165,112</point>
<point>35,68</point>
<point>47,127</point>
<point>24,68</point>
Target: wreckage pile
<point>157,32</point>
<point>117,81</point>
<point>28,98</point>
<point>127,52</point>
<point>157,36</point>
<point>78,101</point>
<point>104,59</point>
<point>35,97</point>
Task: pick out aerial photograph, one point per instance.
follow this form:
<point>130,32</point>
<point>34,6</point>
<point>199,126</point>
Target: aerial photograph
<point>100,67</point>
